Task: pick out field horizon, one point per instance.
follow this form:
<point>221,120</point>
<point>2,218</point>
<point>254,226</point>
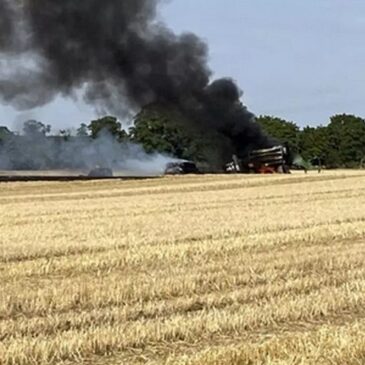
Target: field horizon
<point>187,270</point>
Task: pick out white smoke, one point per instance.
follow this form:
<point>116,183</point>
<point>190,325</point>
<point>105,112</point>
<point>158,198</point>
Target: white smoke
<point>39,152</point>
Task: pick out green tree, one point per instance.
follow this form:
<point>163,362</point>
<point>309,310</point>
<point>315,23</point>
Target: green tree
<point>163,128</point>
<point>346,140</point>
<point>35,128</point>
<point>313,143</point>
<point>157,130</point>
<point>283,131</point>
<point>5,133</point>
<point>83,130</point>
<point>109,125</point>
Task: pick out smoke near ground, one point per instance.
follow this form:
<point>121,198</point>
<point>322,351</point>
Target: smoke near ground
<point>38,152</point>
<point>122,57</point>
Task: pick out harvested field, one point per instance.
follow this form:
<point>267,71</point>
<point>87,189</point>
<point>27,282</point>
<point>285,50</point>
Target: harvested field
<point>196,270</point>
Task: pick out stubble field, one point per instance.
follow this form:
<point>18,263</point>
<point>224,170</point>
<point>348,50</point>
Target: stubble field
<point>189,270</point>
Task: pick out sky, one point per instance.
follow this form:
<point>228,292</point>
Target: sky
<point>301,60</point>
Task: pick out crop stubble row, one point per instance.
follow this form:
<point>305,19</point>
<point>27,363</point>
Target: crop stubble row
<point>184,270</point>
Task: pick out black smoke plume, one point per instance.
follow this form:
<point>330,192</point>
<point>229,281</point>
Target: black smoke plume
<point>121,57</point>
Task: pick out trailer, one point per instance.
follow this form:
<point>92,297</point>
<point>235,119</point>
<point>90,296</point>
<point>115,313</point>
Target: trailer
<point>261,161</point>
<point>269,161</point>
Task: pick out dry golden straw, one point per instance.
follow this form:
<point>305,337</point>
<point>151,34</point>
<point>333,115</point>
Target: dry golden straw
<point>184,270</point>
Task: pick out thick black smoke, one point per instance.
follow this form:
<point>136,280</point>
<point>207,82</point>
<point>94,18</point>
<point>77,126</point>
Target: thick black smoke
<point>6,26</point>
<point>122,58</point>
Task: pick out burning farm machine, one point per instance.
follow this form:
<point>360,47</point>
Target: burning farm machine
<point>181,168</point>
<point>263,161</point>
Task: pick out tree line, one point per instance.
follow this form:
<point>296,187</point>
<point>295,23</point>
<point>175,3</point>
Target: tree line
<point>341,143</point>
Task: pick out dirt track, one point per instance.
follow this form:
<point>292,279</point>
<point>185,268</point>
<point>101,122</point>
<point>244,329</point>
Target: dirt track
<point>63,175</point>
<point>5,179</point>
